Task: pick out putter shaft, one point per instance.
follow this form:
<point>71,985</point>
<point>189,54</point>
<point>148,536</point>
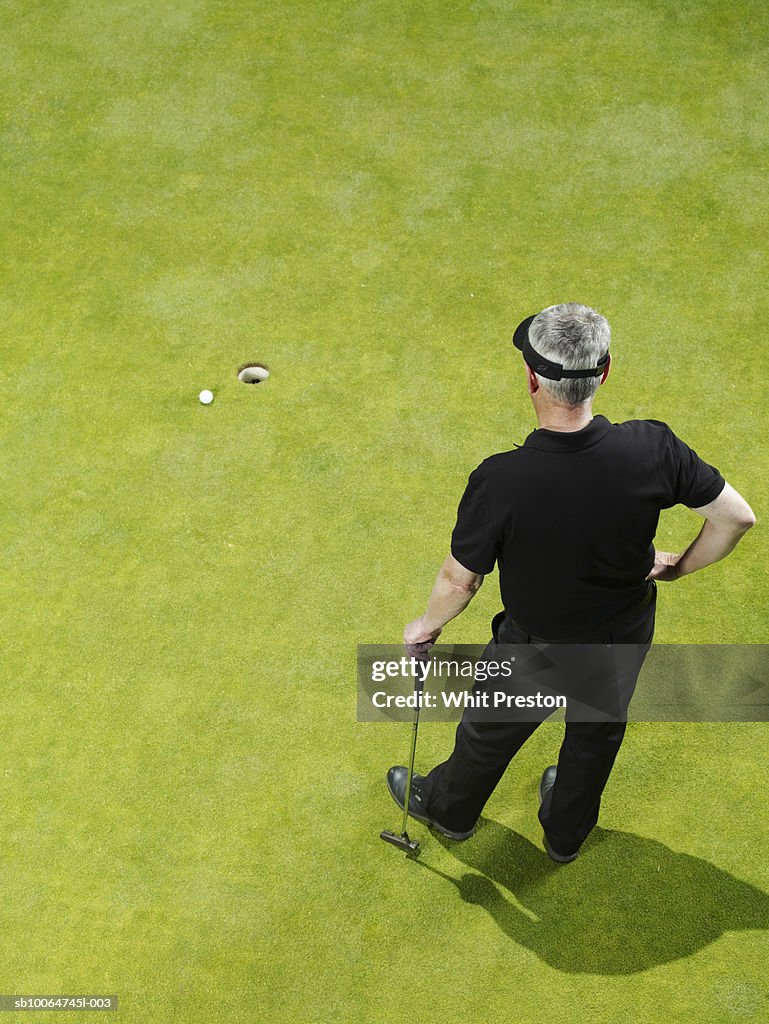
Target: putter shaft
<point>412,755</point>
<point>402,841</point>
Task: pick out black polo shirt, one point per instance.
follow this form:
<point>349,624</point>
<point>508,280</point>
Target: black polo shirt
<point>570,518</point>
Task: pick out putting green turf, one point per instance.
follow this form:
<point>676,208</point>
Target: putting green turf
<point>367,197</point>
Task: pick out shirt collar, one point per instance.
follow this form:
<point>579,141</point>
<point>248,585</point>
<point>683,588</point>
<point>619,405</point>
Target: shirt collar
<point>568,440</point>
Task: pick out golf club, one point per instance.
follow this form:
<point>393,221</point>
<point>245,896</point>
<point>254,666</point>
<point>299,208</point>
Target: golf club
<point>402,841</point>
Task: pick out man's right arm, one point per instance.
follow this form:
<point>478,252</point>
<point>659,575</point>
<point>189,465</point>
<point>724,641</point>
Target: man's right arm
<point>727,519</point>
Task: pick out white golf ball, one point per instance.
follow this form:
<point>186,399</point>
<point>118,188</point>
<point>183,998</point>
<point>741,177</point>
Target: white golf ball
<point>206,396</point>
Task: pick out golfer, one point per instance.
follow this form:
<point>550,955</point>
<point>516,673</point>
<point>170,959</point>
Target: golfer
<point>569,517</point>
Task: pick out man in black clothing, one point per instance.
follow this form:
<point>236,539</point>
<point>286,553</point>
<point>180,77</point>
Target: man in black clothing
<point>569,517</point>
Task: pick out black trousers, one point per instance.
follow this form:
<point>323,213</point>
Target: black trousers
<point>456,791</point>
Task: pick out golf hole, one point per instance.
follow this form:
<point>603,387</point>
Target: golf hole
<point>253,373</point>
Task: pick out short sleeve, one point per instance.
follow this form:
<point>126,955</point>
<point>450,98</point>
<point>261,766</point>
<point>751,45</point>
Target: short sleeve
<point>694,482</point>
<point>474,542</point>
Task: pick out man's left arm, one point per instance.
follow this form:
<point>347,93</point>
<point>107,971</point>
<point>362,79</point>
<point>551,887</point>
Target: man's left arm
<point>452,592</point>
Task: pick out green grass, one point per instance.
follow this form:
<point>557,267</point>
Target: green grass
<point>367,197</point>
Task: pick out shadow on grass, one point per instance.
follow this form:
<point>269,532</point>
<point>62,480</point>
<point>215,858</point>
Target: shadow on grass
<point>625,905</point>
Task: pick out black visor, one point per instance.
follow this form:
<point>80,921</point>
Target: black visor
<point>546,367</point>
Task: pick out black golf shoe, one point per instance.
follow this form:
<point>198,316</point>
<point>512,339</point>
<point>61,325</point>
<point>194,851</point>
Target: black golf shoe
<point>546,783</point>
<point>396,783</point>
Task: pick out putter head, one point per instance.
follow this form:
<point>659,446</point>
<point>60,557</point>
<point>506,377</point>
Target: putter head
<point>409,846</point>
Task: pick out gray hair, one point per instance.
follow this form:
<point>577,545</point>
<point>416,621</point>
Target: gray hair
<point>575,336</point>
